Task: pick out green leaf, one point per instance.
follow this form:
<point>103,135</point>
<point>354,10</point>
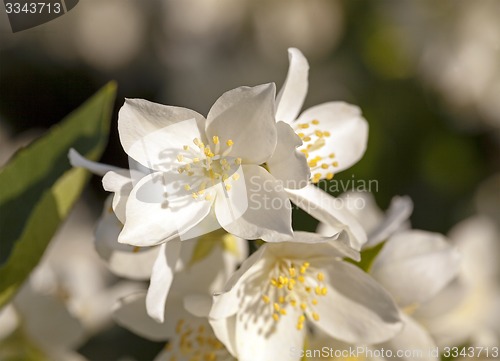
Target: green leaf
<point>38,187</point>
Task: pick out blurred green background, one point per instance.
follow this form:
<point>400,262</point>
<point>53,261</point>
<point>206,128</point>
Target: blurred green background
<point>425,73</point>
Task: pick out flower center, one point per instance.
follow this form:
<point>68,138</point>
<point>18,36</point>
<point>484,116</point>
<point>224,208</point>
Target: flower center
<point>294,285</point>
<point>196,343</point>
<point>314,139</point>
<point>208,165</point>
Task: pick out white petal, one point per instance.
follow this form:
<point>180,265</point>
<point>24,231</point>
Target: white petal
<point>286,164</point>
<point>123,260</point>
<point>130,312</point>
<point>415,265</point>
<point>77,160</point>
<point>225,330</point>
<point>477,241</point>
<point>261,338</point>
<point>8,321</point>
<point>414,339</point>
<point>325,248</point>
<point>356,308</point>
<point>327,209</point>
<point>348,135</point>
<point>153,134</point>
<point>159,209</point>
<point>395,220</point>
<point>226,303</point>
<point>47,320</point>
<point>268,215</point>
<point>161,279</point>
<point>121,185</point>
<point>245,115</point>
<point>293,93</point>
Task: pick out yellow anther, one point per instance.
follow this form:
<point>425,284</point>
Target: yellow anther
<point>187,167</point>
<point>208,197</point>
<point>283,311</point>
<point>180,157</point>
<point>301,135</point>
<point>215,139</point>
<point>300,326</point>
<point>303,306</point>
<point>292,271</point>
<point>301,279</point>
<point>326,134</point>
<point>274,282</point>
<point>293,303</point>
<point>335,164</point>
<point>315,122</point>
<point>318,133</point>
<point>304,126</point>
<point>229,143</point>
<point>276,307</point>
<point>180,170</point>
<point>136,249</point>
<point>329,176</point>
<point>194,195</point>
<point>228,187</point>
<point>283,280</point>
<point>281,299</point>
<point>236,176</point>
<point>302,319</point>
<point>266,299</point>
<point>306,139</point>
<point>224,176</point>
<point>317,175</point>
<point>208,152</point>
<point>315,301</point>
<point>302,270</point>
<point>324,291</point>
<point>332,155</point>
<point>185,147</point>
<point>317,290</point>
<point>187,187</point>
<point>196,160</point>
<point>320,276</point>
<point>276,317</point>
<point>324,166</point>
<point>237,161</point>
<point>312,163</point>
<point>315,316</point>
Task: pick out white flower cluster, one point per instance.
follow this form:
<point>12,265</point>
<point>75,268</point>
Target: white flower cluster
<point>182,215</point>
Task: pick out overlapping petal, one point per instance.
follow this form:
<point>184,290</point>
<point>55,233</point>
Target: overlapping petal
<point>286,164</point>
<point>357,309</point>
<point>159,209</point>
<point>245,115</point>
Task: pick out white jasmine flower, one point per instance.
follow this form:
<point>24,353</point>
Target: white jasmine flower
<point>40,326</point>
<point>334,133</point>
<point>205,168</point>
<point>266,304</point>
<point>334,137</point>
<point>468,309</point>
<point>414,266</point>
